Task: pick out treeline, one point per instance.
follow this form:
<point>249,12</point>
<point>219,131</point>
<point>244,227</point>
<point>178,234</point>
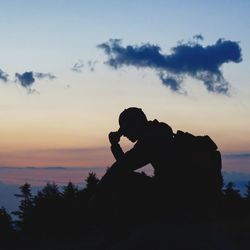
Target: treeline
<point>51,214</point>
<point>54,213</point>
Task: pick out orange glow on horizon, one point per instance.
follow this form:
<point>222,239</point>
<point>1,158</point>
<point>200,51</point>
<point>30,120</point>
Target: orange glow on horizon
<point>77,157</point>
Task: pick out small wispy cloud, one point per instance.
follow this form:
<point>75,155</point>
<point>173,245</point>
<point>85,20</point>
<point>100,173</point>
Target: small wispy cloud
<point>198,37</point>
<point>44,75</point>
<point>78,66</point>
<point>91,65</point>
<point>186,59</point>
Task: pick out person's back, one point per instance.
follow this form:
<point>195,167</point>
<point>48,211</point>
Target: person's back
<point>157,144</point>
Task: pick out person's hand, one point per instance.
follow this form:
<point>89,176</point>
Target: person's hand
<point>114,137</point>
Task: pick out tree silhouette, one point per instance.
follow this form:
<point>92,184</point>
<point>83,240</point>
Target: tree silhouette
<point>46,213</point>
<point>231,192</point>
<point>69,208</point>
<point>247,193</point>
<point>56,214</point>
<point>25,207</point>
<point>6,229</point>
<point>49,192</point>
<point>91,182</point>
<point>87,215</point>
<point>247,199</point>
<point>70,192</point>
<point>232,201</point>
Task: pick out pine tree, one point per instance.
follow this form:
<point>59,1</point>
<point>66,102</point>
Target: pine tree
<point>48,212</point>
<point>25,207</point>
<point>70,191</point>
<point>6,229</point>
<point>50,192</point>
<point>247,193</point>
<point>231,192</point>
<point>232,201</point>
<point>91,182</point>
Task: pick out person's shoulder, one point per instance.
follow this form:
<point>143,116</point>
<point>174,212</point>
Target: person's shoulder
<point>160,126</point>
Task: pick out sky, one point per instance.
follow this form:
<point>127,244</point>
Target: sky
<point>68,68</point>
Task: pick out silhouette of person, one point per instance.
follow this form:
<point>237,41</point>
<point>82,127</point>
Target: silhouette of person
<point>174,167</point>
<point>153,145</point>
<point>122,192</point>
<point>153,140</point>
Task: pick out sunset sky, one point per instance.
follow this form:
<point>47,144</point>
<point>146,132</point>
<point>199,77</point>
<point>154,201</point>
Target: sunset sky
<point>60,95</point>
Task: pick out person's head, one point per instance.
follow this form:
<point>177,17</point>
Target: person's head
<point>132,122</point>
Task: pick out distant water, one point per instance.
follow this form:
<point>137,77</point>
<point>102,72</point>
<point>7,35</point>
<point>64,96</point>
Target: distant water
<point>12,178</point>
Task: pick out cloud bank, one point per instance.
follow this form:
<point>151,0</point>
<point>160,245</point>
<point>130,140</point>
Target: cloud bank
<point>186,59</point>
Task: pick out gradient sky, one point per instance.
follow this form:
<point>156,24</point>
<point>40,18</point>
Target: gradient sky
<point>66,120</point>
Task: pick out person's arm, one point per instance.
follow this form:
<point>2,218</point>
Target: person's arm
<point>117,151</point>
<point>114,138</point>
<point>132,160</point>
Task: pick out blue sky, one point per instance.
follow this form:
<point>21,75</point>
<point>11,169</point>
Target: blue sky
<point>75,111</point>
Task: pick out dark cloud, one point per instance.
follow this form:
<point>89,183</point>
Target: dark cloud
<point>3,76</point>
<point>186,59</point>
<point>78,66</point>
<point>173,82</point>
<point>27,79</point>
